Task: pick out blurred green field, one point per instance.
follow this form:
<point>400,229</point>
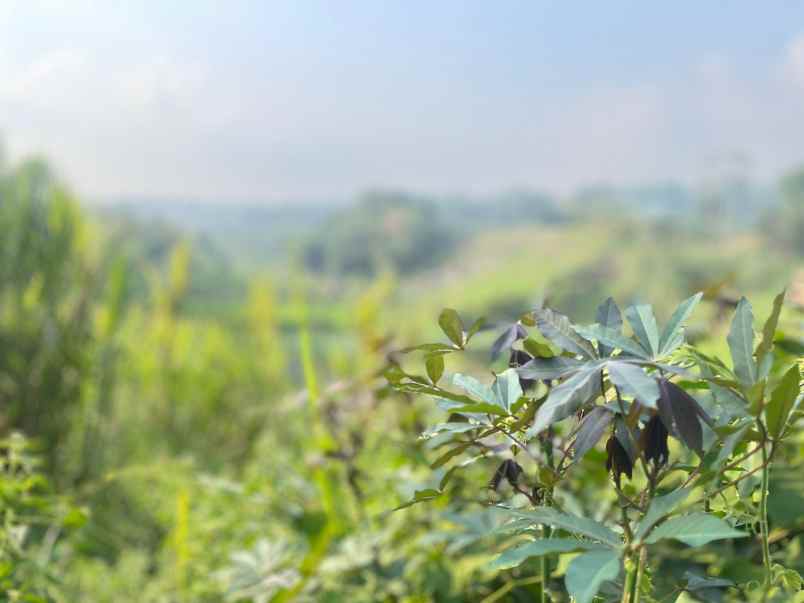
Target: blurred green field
<point>208,422</point>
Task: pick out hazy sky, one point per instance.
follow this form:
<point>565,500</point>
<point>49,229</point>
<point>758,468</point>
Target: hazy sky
<point>310,100</point>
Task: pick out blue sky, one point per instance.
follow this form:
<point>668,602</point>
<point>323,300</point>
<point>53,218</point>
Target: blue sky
<point>293,101</point>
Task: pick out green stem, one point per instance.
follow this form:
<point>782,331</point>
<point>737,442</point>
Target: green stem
<point>763,522</point>
<point>643,554</point>
<point>543,573</point>
<point>628,585</point>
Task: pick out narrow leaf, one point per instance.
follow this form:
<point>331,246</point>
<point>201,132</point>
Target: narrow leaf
<point>633,381</point>
<point>473,387</point>
<point>608,315</point>
<point>566,398</point>
<point>680,412</point>
<point>556,327</point>
<point>506,389</point>
<point>643,322</point>
<point>659,507</point>
<point>782,401</point>
<point>451,324</point>
<point>592,428</point>
<point>434,363</point>
<point>613,339</point>
<point>741,343</point>
<point>548,546</point>
<point>420,496</point>
<point>769,329</point>
<point>673,334</point>
<point>506,340</point>
<point>549,368</point>
<point>571,523</point>
<point>586,573</point>
<point>695,529</point>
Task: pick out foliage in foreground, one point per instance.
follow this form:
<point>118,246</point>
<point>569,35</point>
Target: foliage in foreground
<point>570,387</point>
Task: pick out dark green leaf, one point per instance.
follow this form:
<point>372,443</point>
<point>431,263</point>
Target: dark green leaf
<point>430,347</point>
<point>549,368</point>
<point>612,339</point>
<point>547,546</point>
<point>506,389</point>
<point>695,582</point>
<point>633,381</point>
<point>473,387</point>
<point>592,428</point>
<point>643,322</point>
<point>673,334</point>
<point>435,366</point>
<point>782,401</point>
<point>556,327</point>
<point>420,496</point>
<point>608,315</point>
<point>741,343</point>
<point>475,328</point>
<point>695,529</point>
<point>587,572</point>
<point>571,523</point>
<point>769,329</point>
<point>659,507</point>
<point>451,324</point>
<point>566,398</point>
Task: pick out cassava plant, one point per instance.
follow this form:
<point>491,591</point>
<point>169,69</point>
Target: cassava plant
<point>687,440</point>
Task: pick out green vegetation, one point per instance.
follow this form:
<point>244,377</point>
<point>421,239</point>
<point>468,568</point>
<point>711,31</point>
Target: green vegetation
<point>221,411</point>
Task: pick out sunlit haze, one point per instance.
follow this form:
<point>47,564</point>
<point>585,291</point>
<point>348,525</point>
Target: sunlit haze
<point>297,101</point>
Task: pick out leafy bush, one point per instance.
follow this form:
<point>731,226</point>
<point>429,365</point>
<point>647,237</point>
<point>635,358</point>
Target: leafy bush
<point>689,446</point>
<point>384,231</point>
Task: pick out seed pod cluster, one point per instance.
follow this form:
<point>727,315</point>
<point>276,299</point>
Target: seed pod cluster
<point>509,470</point>
<point>653,441</point>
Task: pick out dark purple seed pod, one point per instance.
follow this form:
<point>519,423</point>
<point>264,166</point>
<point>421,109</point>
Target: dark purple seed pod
<point>618,461</point>
<point>653,441</point>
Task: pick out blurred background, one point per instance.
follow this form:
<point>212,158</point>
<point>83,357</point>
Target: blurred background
<point>217,222</point>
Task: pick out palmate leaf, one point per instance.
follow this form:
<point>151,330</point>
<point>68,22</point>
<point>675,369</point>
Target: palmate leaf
<point>451,324</point>
<point>633,381</point>
<point>695,529</point>
<point>587,572</point>
<point>741,343</point>
<point>546,546</point>
<point>556,327</point>
<point>566,398</point>
<point>643,322</point>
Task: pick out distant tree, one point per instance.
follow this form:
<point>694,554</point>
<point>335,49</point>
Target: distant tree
<point>385,230</point>
<point>792,214</point>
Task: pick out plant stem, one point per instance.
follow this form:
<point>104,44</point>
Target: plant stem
<point>543,573</point>
<point>643,554</point>
<point>628,585</point>
<point>763,519</point>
